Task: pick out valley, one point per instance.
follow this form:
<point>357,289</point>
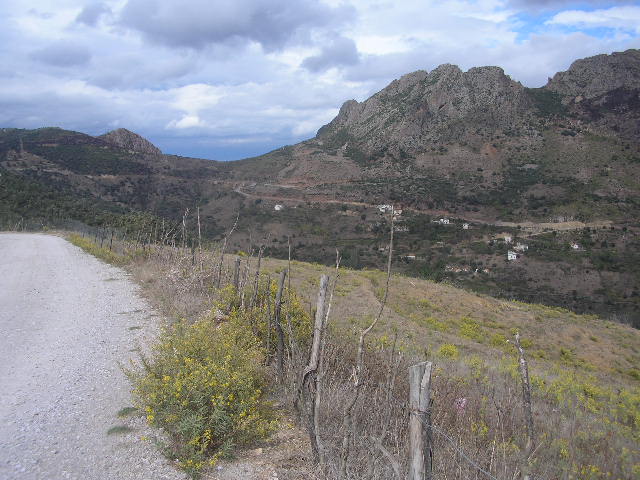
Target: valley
<point>551,168</point>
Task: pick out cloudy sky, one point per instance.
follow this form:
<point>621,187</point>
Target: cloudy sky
<point>227,79</point>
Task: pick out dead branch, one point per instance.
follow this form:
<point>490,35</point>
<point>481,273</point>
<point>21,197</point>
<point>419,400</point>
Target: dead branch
<point>222,250</point>
<point>347,419</point>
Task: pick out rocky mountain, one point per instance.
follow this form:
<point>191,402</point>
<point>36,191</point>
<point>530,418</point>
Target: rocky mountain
<point>422,108</point>
<point>480,141</point>
<point>549,167</point>
<point>128,140</point>
<point>593,77</point>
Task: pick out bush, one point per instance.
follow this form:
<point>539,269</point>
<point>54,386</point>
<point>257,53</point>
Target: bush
<point>471,329</point>
<point>448,350</point>
<point>92,248</point>
<point>205,385</point>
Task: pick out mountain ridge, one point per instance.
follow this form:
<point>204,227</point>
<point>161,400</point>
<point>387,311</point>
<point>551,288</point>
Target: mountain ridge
<point>474,145</point>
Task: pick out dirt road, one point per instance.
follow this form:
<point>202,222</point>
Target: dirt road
<point>66,321</point>
<point>528,228</point>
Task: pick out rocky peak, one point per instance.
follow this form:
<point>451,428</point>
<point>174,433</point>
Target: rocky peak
<point>594,76</point>
<point>420,108</point>
<point>128,140</point>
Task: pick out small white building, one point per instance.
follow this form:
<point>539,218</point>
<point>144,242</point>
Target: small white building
<point>384,208</point>
<point>443,221</point>
<point>511,255</point>
<point>575,246</point>
<point>465,226</point>
<point>521,247</point>
<point>508,239</point>
<point>410,257</point>
<point>401,228</point>
<point>397,213</point>
<point>278,207</point>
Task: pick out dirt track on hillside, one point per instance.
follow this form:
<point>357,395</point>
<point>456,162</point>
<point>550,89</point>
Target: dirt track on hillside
<point>67,321</point>
<point>528,227</point>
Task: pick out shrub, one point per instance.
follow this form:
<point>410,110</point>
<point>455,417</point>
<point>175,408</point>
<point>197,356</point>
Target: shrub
<point>205,385</point>
<point>498,340</point>
<point>471,329</point>
<point>102,253</point>
<point>448,350</point>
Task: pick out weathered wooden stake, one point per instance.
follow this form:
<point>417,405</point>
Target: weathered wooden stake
<point>236,274</point>
<point>279,331</point>
<point>223,248</point>
<point>256,281</point>
<point>419,420</point>
<point>309,376</point>
<point>528,414</point>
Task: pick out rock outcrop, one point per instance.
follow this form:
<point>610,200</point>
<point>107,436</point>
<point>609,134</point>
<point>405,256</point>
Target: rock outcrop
<point>128,140</point>
<point>595,76</point>
<point>423,107</point>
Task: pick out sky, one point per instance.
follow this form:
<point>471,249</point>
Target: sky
<point>231,79</point>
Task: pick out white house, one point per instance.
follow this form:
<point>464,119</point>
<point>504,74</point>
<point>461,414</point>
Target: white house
<point>508,239</point>
<point>443,221</point>
<point>278,207</point>
<point>410,257</point>
<point>465,226</point>
<point>521,247</point>
<point>575,246</point>
<point>384,208</point>
<point>401,228</point>
<point>511,255</point>
<point>397,213</point>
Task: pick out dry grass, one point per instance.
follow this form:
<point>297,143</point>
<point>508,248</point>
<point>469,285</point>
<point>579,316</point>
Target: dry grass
<point>584,371</point>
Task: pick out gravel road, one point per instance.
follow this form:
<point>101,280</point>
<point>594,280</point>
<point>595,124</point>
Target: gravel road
<point>66,322</point>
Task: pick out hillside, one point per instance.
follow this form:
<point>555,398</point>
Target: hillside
<point>481,144</point>
<point>550,167</point>
<point>583,370</point>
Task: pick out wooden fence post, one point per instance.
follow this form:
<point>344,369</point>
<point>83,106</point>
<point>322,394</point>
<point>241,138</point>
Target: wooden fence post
<point>236,274</point>
<point>279,331</point>
<point>308,390</point>
<point>528,414</point>
<point>419,438</point>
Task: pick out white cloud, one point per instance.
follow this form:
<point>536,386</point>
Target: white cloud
<point>187,121</point>
<point>215,74</point>
<point>622,17</point>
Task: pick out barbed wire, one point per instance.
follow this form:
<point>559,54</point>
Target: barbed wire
<point>458,449</point>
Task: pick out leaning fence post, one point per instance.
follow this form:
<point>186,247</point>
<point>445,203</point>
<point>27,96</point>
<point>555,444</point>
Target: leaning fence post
<point>308,382</point>
<point>236,274</point>
<point>419,438</point>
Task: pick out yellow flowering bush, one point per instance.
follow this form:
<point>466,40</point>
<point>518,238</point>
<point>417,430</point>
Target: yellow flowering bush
<point>294,318</point>
<point>204,385</point>
<point>448,350</point>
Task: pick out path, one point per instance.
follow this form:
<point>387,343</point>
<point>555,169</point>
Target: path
<point>532,228</point>
<point>66,321</point>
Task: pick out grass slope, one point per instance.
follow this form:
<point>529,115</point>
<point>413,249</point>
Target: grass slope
<point>584,370</point>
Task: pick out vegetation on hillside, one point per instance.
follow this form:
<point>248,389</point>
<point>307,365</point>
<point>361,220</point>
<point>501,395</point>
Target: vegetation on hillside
<point>586,386</point>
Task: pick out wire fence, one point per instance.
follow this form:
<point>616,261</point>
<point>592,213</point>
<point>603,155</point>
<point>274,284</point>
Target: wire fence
<point>459,450</point>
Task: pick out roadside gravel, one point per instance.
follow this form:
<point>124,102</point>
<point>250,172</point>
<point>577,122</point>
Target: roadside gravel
<point>67,322</point>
